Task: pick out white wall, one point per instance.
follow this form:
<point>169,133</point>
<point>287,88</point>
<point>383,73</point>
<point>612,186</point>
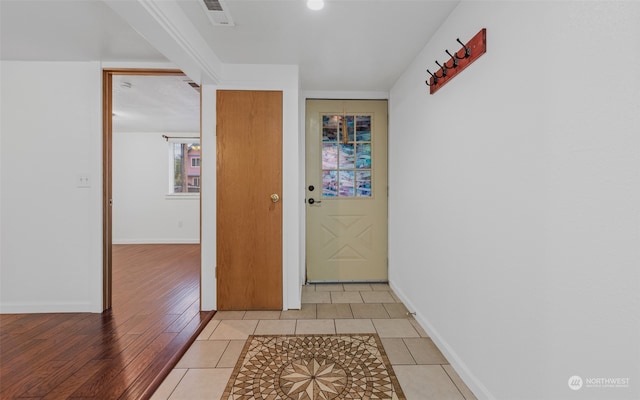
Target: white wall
<point>515,193</point>
<point>50,248</point>
<point>515,198</point>
<point>256,77</point>
<point>142,211</point>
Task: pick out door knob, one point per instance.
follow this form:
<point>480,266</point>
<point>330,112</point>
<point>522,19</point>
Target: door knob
<point>313,201</point>
<point>275,198</point>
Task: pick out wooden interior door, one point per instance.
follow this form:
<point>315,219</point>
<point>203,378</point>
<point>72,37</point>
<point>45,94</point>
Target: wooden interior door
<point>249,211</point>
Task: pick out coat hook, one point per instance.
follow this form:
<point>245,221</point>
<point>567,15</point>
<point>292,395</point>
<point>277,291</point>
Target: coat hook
<point>455,60</point>
<point>435,78</point>
<point>444,71</point>
<point>467,51</point>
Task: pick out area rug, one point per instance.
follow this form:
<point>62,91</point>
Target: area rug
<point>313,367</point>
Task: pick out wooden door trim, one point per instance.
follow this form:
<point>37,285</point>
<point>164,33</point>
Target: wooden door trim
<point>107,163</point>
<point>107,131</point>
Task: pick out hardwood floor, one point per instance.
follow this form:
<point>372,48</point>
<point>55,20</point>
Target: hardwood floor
<point>123,353</point>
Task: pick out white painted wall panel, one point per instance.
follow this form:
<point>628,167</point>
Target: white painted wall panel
<point>50,248</point>
<point>515,198</point>
<point>142,213</point>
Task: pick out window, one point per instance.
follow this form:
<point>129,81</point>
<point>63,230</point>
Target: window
<point>184,173</point>
<point>346,155</point>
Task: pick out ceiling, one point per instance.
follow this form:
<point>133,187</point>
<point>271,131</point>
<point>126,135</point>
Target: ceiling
<point>166,104</point>
<point>71,30</point>
<point>350,45</point>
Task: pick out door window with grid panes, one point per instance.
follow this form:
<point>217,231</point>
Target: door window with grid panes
<point>346,156</point>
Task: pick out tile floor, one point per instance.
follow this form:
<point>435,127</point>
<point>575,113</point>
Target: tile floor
<point>422,370</point>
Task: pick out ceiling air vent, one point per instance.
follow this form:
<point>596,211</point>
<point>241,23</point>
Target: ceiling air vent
<point>215,10</point>
<point>193,85</point>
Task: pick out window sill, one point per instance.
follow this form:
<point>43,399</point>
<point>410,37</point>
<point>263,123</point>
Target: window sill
<point>182,196</point>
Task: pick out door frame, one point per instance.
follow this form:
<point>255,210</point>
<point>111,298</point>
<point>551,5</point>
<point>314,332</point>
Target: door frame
<point>107,164</point>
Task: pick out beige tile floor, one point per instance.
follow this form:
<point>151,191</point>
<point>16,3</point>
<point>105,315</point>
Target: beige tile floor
<point>422,370</point>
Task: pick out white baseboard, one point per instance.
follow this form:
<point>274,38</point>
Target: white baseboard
<point>481,391</point>
<point>46,307</point>
<point>155,241</point>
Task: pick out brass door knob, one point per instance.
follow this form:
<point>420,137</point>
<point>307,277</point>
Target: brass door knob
<point>275,198</point>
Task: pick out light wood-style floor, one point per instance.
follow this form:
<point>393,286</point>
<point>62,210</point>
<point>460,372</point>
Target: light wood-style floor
<point>124,353</point>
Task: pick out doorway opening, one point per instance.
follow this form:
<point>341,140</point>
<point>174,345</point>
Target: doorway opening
<point>151,182</point>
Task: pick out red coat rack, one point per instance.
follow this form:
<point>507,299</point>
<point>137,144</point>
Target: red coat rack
<point>458,61</point>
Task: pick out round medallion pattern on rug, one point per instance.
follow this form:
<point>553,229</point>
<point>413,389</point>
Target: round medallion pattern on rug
<point>310,376</point>
<point>326,367</point>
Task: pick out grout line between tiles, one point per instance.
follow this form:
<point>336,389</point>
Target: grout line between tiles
<point>452,381</point>
<point>415,362</point>
<point>177,384</point>
<point>222,354</point>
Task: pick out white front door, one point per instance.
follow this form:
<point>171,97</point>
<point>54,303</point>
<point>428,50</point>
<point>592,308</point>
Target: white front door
<point>346,190</point>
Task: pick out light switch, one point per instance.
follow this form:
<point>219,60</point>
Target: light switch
<point>83,181</point>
